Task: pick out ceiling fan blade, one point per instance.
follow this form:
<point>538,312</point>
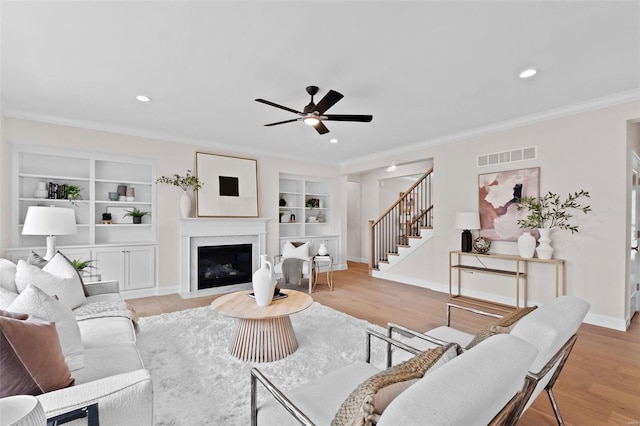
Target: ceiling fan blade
<point>321,128</point>
<point>348,117</point>
<point>328,101</point>
<point>278,106</point>
<point>283,122</point>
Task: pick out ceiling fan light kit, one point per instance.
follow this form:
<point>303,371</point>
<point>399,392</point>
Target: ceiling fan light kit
<point>314,115</point>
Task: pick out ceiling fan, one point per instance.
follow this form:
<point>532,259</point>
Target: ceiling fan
<point>314,115</point>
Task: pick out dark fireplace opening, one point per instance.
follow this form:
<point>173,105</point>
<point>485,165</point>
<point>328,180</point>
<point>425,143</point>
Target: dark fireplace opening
<point>224,265</point>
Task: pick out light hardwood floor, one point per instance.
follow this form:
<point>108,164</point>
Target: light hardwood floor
<point>599,385</point>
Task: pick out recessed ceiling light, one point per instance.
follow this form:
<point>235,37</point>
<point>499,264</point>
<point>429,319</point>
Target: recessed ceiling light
<point>528,73</point>
<point>391,168</point>
<point>334,140</point>
<point>143,98</point>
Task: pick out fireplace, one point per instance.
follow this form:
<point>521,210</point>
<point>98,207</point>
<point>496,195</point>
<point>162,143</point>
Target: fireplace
<point>224,265</point>
<point>207,232</point>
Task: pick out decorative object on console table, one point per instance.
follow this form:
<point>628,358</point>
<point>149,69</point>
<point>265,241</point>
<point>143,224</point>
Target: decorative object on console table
<point>467,221</point>
<point>50,221</point>
<point>322,250</point>
<point>186,183</point>
<point>526,245</point>
<point>482,245</point>
<point>547,212</point>
<point>233,188</point>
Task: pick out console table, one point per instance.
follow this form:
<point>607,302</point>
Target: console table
<point>518,272</point>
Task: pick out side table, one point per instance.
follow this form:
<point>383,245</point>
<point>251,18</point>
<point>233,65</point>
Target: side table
<point>326,260</point>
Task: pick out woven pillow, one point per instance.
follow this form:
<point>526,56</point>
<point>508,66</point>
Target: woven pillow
<point>31,359</point>
<point>365,404</point>
<point>503,325</point>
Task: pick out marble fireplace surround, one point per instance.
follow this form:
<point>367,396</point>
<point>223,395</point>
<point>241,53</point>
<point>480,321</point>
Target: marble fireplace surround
<point>196,232</point>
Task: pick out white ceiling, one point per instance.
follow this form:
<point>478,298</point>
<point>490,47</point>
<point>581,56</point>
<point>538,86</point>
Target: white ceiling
<point>425,70</point>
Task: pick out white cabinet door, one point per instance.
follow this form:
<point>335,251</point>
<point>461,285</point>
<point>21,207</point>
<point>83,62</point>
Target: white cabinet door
<point>140,266</point>
<point>110,264</point>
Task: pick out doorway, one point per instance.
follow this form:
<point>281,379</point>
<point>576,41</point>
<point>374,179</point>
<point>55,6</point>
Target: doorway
<point>634,257</point>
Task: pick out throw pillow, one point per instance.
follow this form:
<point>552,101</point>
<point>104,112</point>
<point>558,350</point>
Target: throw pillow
<point>291,251</point>
<point>365,404</point>
<point>36,260</point>
<point>8,275</point>
<point>6,298</point>
<point>31,359</point>
<point>66,267</point>
<point>36,302</point>
<point>502,325</point>
<point>54,279</point>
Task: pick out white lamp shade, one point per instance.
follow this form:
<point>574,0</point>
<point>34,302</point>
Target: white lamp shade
<point>467,220</point>
<point>49,221</point>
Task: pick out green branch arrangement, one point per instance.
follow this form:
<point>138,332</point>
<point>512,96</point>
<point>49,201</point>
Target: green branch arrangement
<point>184,182</point>
<point>549,211</point>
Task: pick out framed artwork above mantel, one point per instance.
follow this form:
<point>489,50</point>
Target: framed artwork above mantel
<point>230,186</point>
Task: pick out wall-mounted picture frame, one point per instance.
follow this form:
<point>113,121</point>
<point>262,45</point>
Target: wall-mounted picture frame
<point>230,186</point>
<point>498,193</point>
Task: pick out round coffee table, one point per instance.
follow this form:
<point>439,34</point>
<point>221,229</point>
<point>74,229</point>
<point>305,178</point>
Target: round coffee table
<point>263,333</point>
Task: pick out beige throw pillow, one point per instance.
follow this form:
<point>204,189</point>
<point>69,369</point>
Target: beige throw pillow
<point>365,404</point>
<point>502,325</point>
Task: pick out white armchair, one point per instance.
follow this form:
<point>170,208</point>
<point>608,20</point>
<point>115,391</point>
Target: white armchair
<point>300,252</point>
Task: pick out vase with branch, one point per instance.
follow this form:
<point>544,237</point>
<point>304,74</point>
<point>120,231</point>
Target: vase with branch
<point>549,211</point>
<point>187,183</point>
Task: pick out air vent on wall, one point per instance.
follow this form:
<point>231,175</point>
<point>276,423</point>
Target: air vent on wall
<point>520,154</point>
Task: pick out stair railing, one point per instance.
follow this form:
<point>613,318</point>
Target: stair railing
<point>403,220</point>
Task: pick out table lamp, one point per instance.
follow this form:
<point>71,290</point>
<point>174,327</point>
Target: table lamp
<point>467,221</point>
<point>50,221</point>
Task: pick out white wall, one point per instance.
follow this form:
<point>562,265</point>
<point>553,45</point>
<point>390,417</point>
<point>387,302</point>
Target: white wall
<point>586,150</point>
<point>171,157</point>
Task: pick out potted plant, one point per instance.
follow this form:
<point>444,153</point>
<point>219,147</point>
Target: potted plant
<point>136,214</point>
<point>73,193</point>
<point>186,182</point>
<point>549,211</point>
<point>81,265</point>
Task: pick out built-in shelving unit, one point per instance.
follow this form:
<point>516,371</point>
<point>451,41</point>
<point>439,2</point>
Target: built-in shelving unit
<point>97,175</point>
<point>307,212</point>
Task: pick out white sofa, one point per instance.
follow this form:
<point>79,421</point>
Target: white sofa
<point>113,376</point>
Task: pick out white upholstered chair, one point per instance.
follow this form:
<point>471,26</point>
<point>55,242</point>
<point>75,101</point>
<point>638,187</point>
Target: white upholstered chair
<point>299,251</point>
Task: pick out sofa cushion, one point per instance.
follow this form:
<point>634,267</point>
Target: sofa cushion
<point>31,359</point>
<point>363,405</point>
<point>502,325</point>
<point>444,333</point>
<point>36,260</point>
<point>107,361</point>
<point>56,279</point>
<point>34,301</point>
<point>8,275</point>
<point>98,332</point>
<point>6,297</point>
<point>469,390</point>
<point>319,399</point>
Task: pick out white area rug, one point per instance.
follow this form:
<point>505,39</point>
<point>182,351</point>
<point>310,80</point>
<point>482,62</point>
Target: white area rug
<point>196,381</point>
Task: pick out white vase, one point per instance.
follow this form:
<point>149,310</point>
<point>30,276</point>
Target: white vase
<point>322,250</point>
<point>263,283</point>
<point>544,250</point>
<point>526,245</point>
<point>185,204</point>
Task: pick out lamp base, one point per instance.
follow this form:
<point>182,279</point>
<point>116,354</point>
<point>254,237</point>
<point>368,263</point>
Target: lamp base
<point>466,241</point>
<point>51,247</point>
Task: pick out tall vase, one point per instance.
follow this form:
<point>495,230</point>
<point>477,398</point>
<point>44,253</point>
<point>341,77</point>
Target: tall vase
<point>526,245</point>
<point>185,204</point>
<point>544,250</point>
<point>263,283</point>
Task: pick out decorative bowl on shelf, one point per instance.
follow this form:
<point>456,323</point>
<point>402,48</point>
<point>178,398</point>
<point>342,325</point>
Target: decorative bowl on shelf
<point>482,245</point>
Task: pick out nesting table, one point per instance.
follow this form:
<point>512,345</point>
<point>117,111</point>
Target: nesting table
<point>263,333</point>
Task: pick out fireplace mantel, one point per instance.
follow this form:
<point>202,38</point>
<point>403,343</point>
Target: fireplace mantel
<point>195,231</point>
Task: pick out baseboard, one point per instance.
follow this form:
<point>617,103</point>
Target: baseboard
<point>606,321</point>
<point>357,259</point>
<point>163,291</point>
<point>134,294</point>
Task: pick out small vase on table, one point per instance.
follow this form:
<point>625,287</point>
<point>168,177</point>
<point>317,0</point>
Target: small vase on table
<point>185,204</point>
<point>544,250</point>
